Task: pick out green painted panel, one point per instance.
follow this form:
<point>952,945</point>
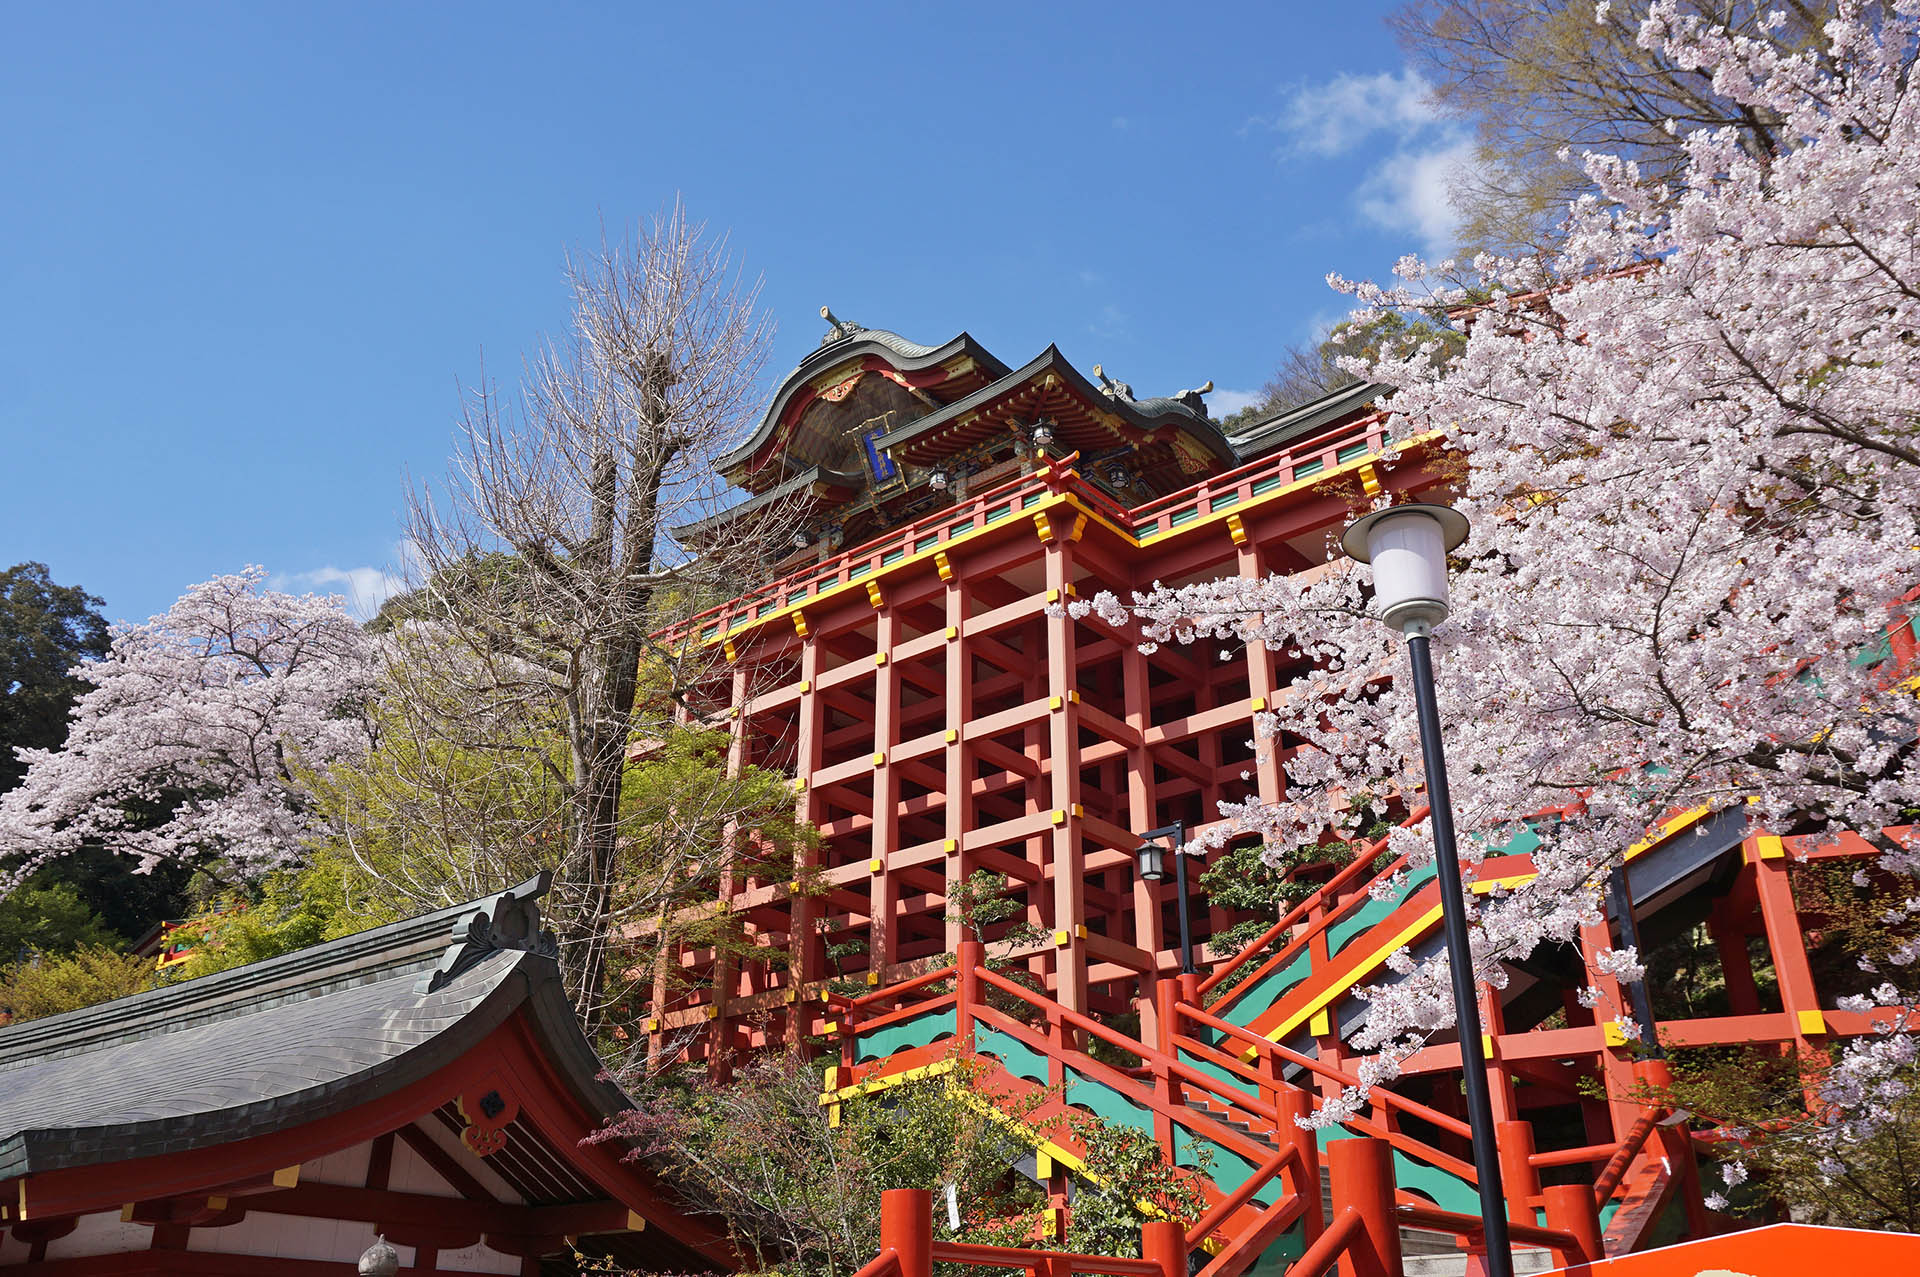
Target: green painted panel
<point>1142,531</point>
<point>927,542</point>
<point>918,1030</point>
<point>1448,1192</point>
<point>1286,1248</point>
<point>1032,499</point>
<point>1225,499</point>
<point>861,570</point>
<point>1306,468</point>
<point>1187,515</point>
<point>1106,1103</point>
<point>1014,1055</point>
<point>1227,1169</point>
<point>1417,879</point>
<point>998,512</point>
<point>1266,991</point>
<point>1352,452</point>
<point>1342,933</point>
<point>1267,484</point>
<point>893,556</point>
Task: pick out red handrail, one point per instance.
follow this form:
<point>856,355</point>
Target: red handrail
<point>1300,450</point>
<point>1609,1177</point>
<point>1390,1099</point>
<point>1328,892</point>
<point>1337,1238</point>
<point>1470,1226</point>
<point>885,1264</point>
<point>908,534</point>
<point>1018,1257</point>
<point>1217,1214</point>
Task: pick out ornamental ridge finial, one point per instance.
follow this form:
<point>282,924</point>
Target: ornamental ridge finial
<point>837,329</point>
<point>510,920</point>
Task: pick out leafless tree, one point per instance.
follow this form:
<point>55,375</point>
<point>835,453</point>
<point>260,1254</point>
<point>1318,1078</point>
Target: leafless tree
<point>1535,76</point>
<point>550,608</point>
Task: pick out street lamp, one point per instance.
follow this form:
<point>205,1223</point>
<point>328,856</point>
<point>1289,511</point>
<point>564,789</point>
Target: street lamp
<point>380,1259</point>
<point>1407,546</point>
<point>1151,859</point>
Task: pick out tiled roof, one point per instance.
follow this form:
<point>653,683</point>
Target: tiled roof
<point>285,1041</point>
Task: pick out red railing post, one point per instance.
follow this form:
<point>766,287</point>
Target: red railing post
<point>1570,1210</point>
<point>1163,1242</point>
<point>1657,1075</point>
<point>966,987</point>
<point>1291,1103</point>
<point>906,1228</point>
<point>1363,1183</point>
<point>1517,1171</point>
<point>1166,1007</point>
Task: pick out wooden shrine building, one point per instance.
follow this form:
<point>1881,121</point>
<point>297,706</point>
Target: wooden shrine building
<point>425,1080</point>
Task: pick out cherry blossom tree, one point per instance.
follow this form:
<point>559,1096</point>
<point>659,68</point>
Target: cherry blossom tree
<point>1694,485</point>
<point>194,733</point>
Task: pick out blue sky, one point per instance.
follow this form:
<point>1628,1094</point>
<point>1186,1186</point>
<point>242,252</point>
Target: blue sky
<point>247,253</point>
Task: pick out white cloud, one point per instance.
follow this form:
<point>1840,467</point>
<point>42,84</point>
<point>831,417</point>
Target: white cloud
<point>1408,191</point>
<point>1224,403</point>
<point>1331,118</point>
<point>1110,323</point>
<point>365,588</point>
<point>1413,192</point>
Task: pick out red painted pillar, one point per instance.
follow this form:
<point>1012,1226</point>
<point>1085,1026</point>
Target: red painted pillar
<point>1291,1103</point>
<point>1166,995</point>
<point>1785,939</point>
<point>1363,1182</point>
<point>1164,1242</point>
<point>1570,1209</point>
<point>1743,997</point>
<point>1517,1174</point>
<point>967,991</point>
<point>906,1229</point>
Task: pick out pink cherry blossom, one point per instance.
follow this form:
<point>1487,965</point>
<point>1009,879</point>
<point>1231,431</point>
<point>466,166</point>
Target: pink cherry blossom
<point>1694,486</point>
<point>211,710</point>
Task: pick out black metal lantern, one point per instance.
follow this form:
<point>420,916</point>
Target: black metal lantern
<point>1152,859</point>
<point>939,478</point>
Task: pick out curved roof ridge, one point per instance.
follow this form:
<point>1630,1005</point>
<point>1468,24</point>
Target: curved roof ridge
<point>903,355</point>
<point>406,947</point>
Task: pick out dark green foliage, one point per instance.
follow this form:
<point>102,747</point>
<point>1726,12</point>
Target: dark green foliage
<point>45,630</point>
<point>1242,880</point>
<point>49,917</point>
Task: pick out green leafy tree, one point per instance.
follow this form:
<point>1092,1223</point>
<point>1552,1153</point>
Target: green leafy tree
<point>797,1185</point>
<point>48,917</point>
<point>458,799</point>
<point>45,630</point>
<point>289,910</point>
<point>50,985</point>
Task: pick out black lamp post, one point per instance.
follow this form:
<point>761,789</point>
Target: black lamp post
<point>1407,546</point>
<point>1151,858</point>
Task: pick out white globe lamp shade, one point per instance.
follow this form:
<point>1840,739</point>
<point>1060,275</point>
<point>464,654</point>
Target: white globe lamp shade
<point>1407,546</point>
